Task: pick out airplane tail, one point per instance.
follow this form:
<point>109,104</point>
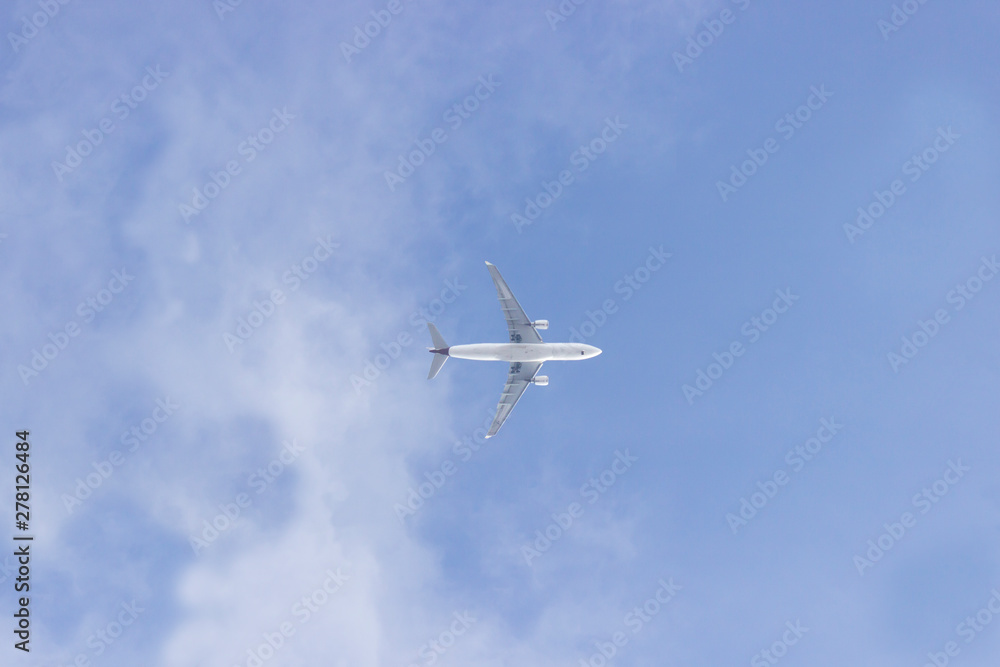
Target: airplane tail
<point>440,351</point>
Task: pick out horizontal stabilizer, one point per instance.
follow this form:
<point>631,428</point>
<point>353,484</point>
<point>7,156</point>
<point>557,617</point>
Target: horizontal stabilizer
<point>440,351</point>
<point>436,364</point>
<point>436,337</point>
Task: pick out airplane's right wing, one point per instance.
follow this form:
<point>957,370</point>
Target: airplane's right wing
<point>518,324</point>
<point>518,379</point>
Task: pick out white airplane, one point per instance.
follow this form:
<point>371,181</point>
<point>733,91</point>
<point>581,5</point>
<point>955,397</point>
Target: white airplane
<point>526,352</point>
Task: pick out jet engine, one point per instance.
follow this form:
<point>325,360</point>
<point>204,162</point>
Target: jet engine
<point>540,324</point>
<point>540,380</point>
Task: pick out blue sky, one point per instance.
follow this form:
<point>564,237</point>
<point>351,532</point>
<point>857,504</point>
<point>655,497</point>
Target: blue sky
<point>197,291</point>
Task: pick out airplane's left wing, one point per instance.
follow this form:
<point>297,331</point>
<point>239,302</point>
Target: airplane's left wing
<point>518,324</point>
<point>518,378</point>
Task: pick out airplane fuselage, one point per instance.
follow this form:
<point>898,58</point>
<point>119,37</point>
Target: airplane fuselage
<point>522,351</point>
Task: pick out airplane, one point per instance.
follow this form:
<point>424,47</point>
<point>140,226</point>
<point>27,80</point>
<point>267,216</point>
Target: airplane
<point>526,352</point>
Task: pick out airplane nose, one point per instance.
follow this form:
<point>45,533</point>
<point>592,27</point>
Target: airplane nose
<point>594,351</point>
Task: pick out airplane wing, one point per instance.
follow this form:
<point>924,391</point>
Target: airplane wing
<point>518,379</point>
<point>518,324</point>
